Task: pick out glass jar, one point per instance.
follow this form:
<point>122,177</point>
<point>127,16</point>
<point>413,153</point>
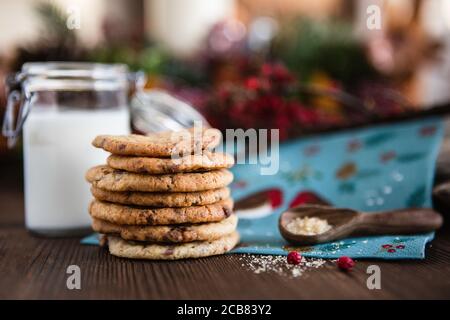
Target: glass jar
<point>65,106</point>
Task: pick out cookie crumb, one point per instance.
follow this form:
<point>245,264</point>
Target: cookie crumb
<point>259,264</point>
<point>103,241</point>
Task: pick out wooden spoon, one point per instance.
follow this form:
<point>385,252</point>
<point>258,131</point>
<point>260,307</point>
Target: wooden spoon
<point>347,222</point>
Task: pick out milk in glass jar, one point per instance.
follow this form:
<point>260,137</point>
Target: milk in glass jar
<point>61,108</point>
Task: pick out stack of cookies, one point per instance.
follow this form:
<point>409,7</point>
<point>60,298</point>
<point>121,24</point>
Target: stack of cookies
<point>152,205</point>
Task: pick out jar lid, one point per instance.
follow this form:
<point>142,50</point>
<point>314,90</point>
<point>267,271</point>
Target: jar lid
<point>155,110</point>
<point>73,76</point>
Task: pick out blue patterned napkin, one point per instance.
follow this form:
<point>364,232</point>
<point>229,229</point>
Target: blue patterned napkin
<point>375,168</point>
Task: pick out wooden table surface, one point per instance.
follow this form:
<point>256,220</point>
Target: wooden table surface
<point>35,268</point>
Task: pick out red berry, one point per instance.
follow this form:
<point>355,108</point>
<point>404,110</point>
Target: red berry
<point>294,257</point>
<point>391,250</point>
<point>345,263</point>
<point>386,246</point>
<point>252,83</point>
<point>400,246</point>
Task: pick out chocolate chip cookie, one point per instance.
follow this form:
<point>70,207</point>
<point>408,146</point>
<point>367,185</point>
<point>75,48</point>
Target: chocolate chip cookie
<point>161,144</point>
<point>162,199</point>
<point>135,250</point>
<point>205,161</point>
<point>107,178</point>
<point>170,233</point>
<point>129,215</point>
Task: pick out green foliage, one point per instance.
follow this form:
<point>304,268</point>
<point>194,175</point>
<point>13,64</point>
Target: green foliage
<point>151,60</point>
<point>53,21</point>
<point>55,42</point>
<point>308,46</point>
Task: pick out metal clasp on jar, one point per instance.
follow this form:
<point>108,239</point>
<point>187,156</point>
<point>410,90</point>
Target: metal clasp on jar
<point>14,119</point>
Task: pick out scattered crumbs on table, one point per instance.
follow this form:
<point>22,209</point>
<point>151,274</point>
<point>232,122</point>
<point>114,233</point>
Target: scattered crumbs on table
<point>277,264</point>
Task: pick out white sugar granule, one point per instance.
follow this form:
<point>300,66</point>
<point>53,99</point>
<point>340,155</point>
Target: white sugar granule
<point>279,265</point>
<point>308,226</point>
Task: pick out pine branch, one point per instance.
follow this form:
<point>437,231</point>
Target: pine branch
<point>54,22</point>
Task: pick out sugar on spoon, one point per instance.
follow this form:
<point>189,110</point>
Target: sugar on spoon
<point>351,223</point>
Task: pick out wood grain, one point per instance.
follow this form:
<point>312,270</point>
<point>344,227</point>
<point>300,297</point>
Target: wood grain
<point>35,268</point>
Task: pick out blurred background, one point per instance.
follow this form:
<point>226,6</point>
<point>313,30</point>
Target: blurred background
<point>250,63</point>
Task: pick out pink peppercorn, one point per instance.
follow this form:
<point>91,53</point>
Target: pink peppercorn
<point>294,257</point>
<point>391,250</point>
<point>345,263</point>
<point>400,246</point>
<point>386,246</point>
